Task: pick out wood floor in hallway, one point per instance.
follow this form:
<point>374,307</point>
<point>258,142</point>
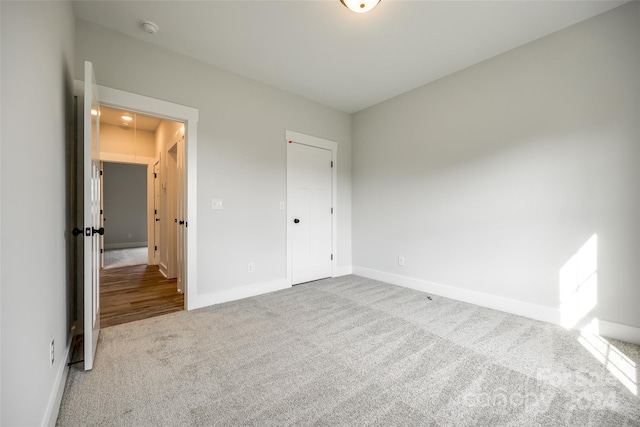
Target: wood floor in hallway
<point>136,292</point>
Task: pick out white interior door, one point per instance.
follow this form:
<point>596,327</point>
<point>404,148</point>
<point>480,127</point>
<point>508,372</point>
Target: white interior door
<point>156,213</point>
<point>180,213</point>
<point>92,228</point>
<point>310,210</point>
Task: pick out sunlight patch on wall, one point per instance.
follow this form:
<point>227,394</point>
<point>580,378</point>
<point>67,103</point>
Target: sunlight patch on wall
<point>616,362</point>
<point>579,284</point>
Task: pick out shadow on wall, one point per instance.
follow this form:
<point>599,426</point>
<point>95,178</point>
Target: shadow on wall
<point>578,291</point>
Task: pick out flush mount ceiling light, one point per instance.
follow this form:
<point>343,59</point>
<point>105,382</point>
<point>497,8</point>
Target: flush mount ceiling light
<point>360,6</point>
<point>126,118</point>
<point>149,27</point>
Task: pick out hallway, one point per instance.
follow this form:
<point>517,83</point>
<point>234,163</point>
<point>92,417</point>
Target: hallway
<point>136,292</point>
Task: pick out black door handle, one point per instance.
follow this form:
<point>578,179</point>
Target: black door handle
<point>100,231</point>
<point>76,232</point>
<point>181,222</point>
<point>157,219</point>
<point>296,220</point>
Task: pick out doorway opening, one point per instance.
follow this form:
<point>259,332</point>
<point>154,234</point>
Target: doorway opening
<point>142,187</point>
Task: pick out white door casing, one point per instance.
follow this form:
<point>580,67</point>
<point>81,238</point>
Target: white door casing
<point>156,213</point>
<point>180,212</point>
<point>91,169</point>
<point>189,116</point>
<point>311,208</point>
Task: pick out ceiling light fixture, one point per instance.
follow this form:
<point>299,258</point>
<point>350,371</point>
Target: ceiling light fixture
<point>149,27</point>
<point>360,6</point>
<point>126,118</point>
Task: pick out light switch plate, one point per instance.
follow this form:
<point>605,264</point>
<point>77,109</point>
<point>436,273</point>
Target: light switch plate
<point>216,204</point>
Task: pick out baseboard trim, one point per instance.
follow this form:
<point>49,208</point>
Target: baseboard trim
<point>343,270</point>
<point>532,311</point>
<point>234,294</point>
<point>520,308</point>
<point>163,270</point>
<point>125,245</point>
<point>53,407</point>
<point>619,331</point>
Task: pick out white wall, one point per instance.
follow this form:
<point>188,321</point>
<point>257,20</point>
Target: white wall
<point>491,179</point>
<point>125,205</point>
<point>127,142</point>
<point>241,152</point>
<point>37,64</point>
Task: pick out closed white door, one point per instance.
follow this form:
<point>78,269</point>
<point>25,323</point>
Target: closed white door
<point>310,211</point>
<point>92,228</point>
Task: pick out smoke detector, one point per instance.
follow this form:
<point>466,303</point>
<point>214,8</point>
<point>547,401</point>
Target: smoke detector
<point>149,27</point>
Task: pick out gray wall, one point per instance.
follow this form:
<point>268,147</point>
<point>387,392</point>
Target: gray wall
<point>491,179</point>
<point>37,59</point>
<point>241,152</point>
<point>125,205</point>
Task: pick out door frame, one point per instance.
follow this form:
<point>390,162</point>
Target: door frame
<point>292,137</point>
<point>140,161</point>
<point>189,116</point>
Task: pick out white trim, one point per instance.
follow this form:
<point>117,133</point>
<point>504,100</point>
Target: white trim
<point>149,162</point>
<point>163,270</point>
<point>618,331</point>
<point>240,293</point>
<point>532,311</point>
<point>53,406</point>
<point>156,107</point>
<point>343,270</point>
<point>312,141</point>
<point>125,245</point>
<point>126,158</point>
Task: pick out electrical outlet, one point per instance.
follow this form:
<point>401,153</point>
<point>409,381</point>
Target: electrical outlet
<point>250,268</point>
<point>52,352</point>
<point>216,204</point>
<point>401,261</point>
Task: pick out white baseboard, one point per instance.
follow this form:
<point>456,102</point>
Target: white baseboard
<point>247,291</point>
<point>125,245</point>
<point>532,311</point>
<point>53,407</point>
<point>619,331</point>
<point>343,270</point>
<point>164,270</point>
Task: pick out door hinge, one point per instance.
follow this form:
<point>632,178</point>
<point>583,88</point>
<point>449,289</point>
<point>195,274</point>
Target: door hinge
<point>332,163</point>
<point>331,211</point>
<point>155,211</point>
<point>155,175</point>
<point>100,173</point>
<point>101,211</point>
<point>155,248</point>
<point>101,251</point>
<point>331,257</point>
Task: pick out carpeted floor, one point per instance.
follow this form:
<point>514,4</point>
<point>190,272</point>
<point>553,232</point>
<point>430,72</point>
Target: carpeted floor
<point>116,258</point>
<point>350,351</point>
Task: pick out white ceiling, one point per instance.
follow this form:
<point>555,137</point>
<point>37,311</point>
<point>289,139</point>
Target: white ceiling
<point>322,51</point>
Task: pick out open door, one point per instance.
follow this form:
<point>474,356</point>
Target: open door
<point>182,222</point>
<point>92,228</point>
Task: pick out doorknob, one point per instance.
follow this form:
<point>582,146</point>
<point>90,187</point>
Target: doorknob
<point>296,220</point>
<point>157,219</point>
<point>181,222</point>
<point>100,231</point>
<point>76,232</point>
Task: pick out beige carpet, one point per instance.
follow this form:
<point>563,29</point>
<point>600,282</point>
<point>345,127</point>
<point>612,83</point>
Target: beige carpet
<point>115,258</point>
<point>351,351</point>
